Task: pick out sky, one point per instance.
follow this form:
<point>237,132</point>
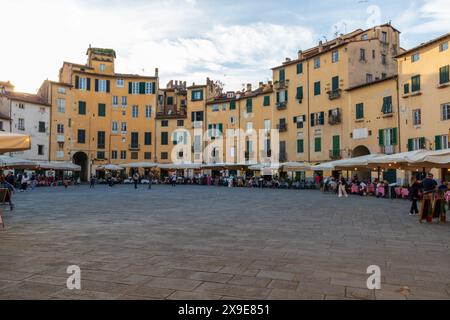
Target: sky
<point>235,42</point>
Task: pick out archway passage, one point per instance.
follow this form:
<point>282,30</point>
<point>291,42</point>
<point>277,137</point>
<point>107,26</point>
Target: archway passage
<point>361,151</point>
<point>81,159</point>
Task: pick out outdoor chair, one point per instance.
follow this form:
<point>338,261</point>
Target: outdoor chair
<point>405,193</point>
<point>381,192</point>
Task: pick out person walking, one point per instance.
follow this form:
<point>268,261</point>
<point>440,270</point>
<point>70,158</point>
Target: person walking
<point>136,179</point>
<point>414,196</point>
<point>342,188</point>
<point>429,186</point>
<point>24,182</point>
<point>150,180</point>
<point>174,179</point>
<point>92,180</point>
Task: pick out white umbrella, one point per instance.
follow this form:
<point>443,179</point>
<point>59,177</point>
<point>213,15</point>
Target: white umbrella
<point>398,159</point>
<point>296,166</point>
<point>358,162</point>
<point>137,165</point>
<point>10,162</point>
<point>58,165</point>
<point>265,166</point>
<point>180,166</point>
<point>111,167</point>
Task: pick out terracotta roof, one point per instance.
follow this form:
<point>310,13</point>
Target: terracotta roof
<point>423,45</point>
<point>115,75</point>
<point>26,97</point>
<point>371,83</point>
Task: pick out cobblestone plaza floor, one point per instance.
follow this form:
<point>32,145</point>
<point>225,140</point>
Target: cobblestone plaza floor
<point>195,242</point>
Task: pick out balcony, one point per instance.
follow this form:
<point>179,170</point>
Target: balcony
<point>171,112</point>
<point>336,154</point>
<point>334,94</point>
<point>282,127</point>
<point>279,85</point>
<point>282,105</point>
<point>388,150</point>
<point>134,147</point>
<point>283,157</point>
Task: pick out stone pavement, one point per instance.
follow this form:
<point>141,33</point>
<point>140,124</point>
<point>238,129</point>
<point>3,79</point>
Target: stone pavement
<point>195,242</point>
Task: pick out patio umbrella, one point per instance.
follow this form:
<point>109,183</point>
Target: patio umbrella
<point>12,142</point>
<point>58,165</point>
<point>111,167</point>
<point>10,162</point>
<point>180,166</point>
<point>137,165</point>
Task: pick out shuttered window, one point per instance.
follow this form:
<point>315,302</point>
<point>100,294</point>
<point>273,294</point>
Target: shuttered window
<point>266,101</point>
<point>299,68</point>
<point>81,107</point>
<point>360,111</point>
<point>415,83</point>
<point>317,88</point>
<point>300,146</point>
<point>249,105</point>
<point>318,145</point>
<point>101,110</point>
<point>299,93</point>
<point>444,75</point>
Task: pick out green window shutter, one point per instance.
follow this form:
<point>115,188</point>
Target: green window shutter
<point>438,142</point>
<point>96,85</point>
<point>201,94</point>
<point>300,146</point>
<point>220,127</point>
<point>88,84</point>
<point>108,86</point>
<point>410,144</point>
<point>101,110</point>
<point>444,75</point>
<point>77,82</point>
<point>299,68</point>
<point>153,87</point>
<point>232,105</point>
<point>282,75</point>
<point>249,105</point>
<point>415,83</point>
<point>266,101</point>
<point>317,88</point>
<point>336,143</point>
<point>394,137</point>
<point>360,111</point>
<point>422,143</point>
<point>130,87</point>
<point>406,88</point>
<point>381,138</point>
<point>335,83</point>
<point>141,87</point>
<point>278,97</point>
<point>317,144</point>
<point>299,93</point>
<point>81,107</point>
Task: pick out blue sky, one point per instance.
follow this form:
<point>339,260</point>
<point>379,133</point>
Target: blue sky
<point>236,42</point>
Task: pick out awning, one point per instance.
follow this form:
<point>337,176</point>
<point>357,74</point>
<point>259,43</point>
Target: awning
<point>296,166</point>
<point>137,165</point>
<point>398,160</point>
<point>357,163</point>
<point>12,142</point>
<point>58,165</point>
<point>10,162</point>
<point>229,166</point>
<point>110,167</point>
<point>180,166</point>
<point>265,166</point>
<point>433,159</point>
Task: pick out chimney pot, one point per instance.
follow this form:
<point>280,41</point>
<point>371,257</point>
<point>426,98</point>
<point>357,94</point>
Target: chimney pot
<point>156,72</point>
<point>249,87</point>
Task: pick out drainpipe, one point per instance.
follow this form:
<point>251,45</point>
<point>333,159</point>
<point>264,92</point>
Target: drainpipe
<point>398,117</point>
<point>308,117</point>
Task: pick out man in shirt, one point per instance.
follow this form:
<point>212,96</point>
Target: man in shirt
<point>429,186</point>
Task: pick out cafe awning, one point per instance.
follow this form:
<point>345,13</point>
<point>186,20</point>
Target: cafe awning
<point>296,166</point>
<point>110,167</point>
<point>12,142</point>
<point>229,166</point>
<point>137,165</point>
<point>357,163</point>
<point>265,166</point>
<point>58,165</point>
<point>180,166</point>
<point>16,163</point>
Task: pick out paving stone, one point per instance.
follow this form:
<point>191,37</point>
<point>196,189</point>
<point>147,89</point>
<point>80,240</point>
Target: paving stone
<point>233,290</point>
<point>276,275</point>
<point>175,284</point>
<point>250,281</point>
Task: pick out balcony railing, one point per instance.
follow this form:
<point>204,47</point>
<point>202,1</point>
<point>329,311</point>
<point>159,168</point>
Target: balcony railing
<point>134,147</point>
<point>388,150</point>
<point>279,85</point>
<point>282,127</point>
<point>336,154</point>
<point>171,112</point>
<point>282,105</point>
<point>334,94</point>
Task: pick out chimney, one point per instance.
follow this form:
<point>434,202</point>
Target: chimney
<point>270,83</point>
<point>300,54</point>
<point>156,72</point>
<point>176,83</point>
<point>288,59</point>
<point>320,46</point>
<point>249,87</point>
<point>261,85</point>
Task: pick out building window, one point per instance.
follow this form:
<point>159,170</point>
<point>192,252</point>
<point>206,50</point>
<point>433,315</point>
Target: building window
<point>164,155</point>
<point>215,130</point>
<point>441,142</point>
<point>61,103</point>
<point>317,63</point>
<point>101,139</point>
<point>416,144</point>
<point>383,59</point>
<point>123,155</point>
<point>299,68</point>
<point>300,146</point>
<point>180,123</point>
<point>266,101</point>
<point>232,120</point>
<point>60,128</point>
<point>387,105</point>
<point>369,77</point>
<point>21,124</point>
<point>60,154</point>
<point>443,47</point>
<point>197,95</point>
<point>365,37</point>
<point>114,127</point>
<point>81,136</point>
<point>360,111</point>
<point>335,56</point>
<point>406,88</point>
<point>415,83</point>
<point>102,85</point>
<point>148,112</point>
<point>444,75</point>
<point>61,90</point>
<point>215,108</point>
<point>135,111</point>
<point>82,83</point>
<point>318,145</point>
<point>164,123</point>
<point>415,57</point>
<point>101,155</point>
<point>149,88</point>
<point>134,155</point>
<point>40,150</point>
<point>115,101</point>
<point>445,111</point>
<point>147,155</point>
<point>42,127</point>
<point>135,88</point>
<point>102,67</point>
<point>317,88</point>
<point>299,95</point>
<point>317,119</point>
<point>101,110</point>
<point>124,101</point>
<point>249,105</point>
<point>164,138</point>
<point>148,138</point>
<point>417,117</point>
<point>120,83</point>
<point>362,55</point>
<point>123,127</point>
<point>81,107</point>
<point>384,37</point>
<point>387,137</point>
<point>249,126</point>
<point>266,124</point>
<point>114,155</point>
